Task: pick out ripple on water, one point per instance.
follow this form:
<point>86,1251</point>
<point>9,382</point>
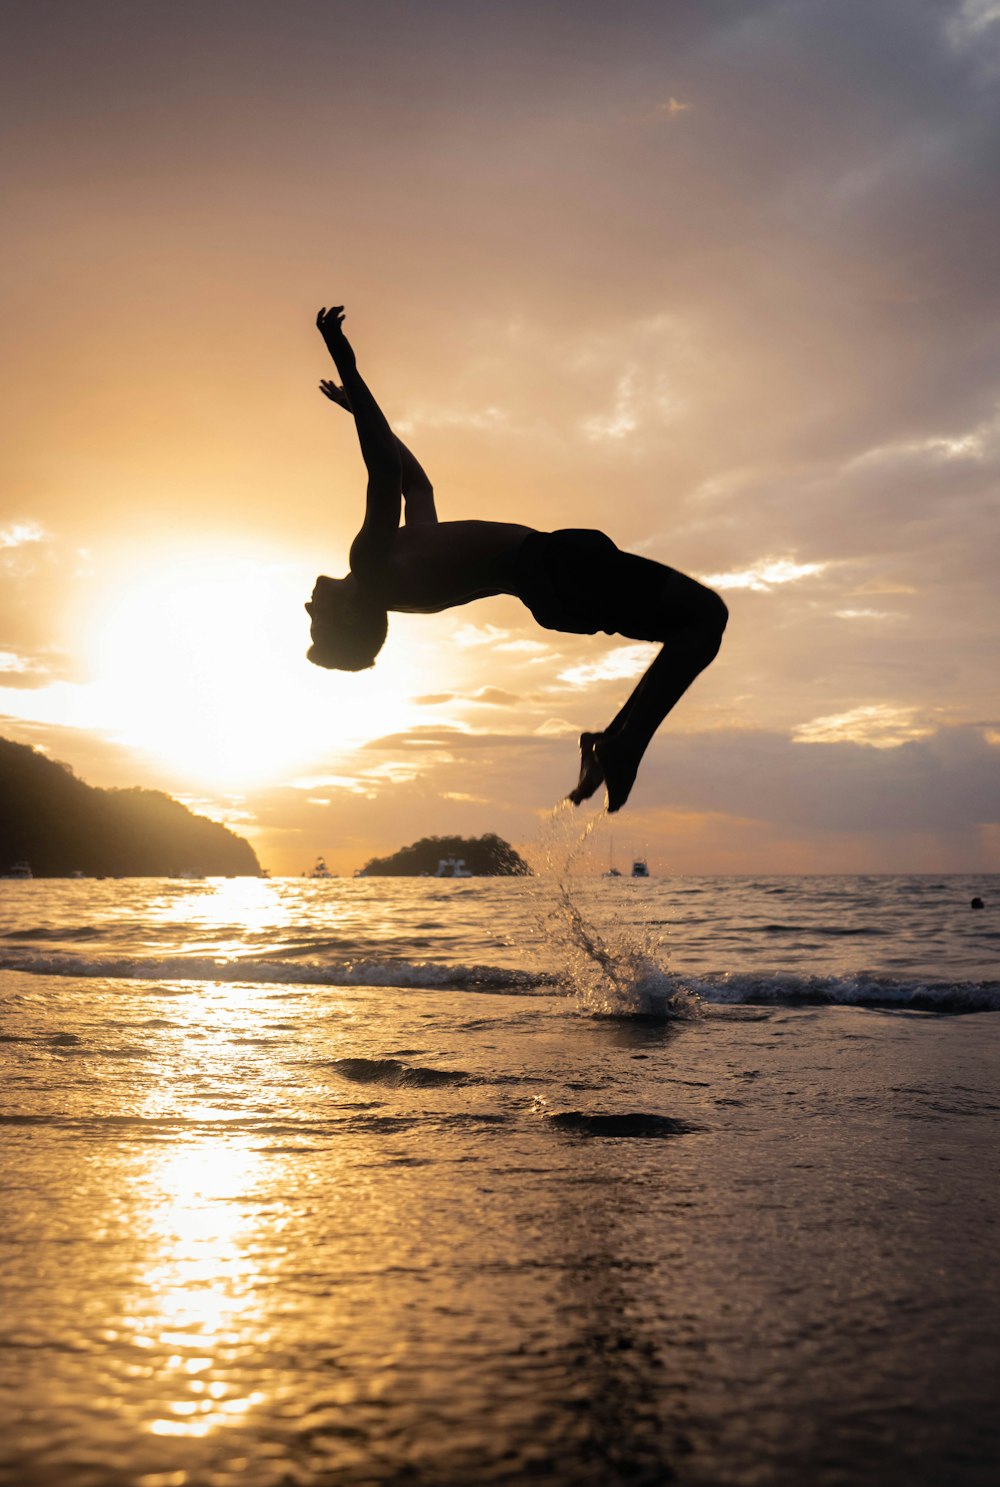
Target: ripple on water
<point>391,1071</point>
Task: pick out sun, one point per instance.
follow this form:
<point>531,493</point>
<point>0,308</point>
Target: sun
<point>199,661</point>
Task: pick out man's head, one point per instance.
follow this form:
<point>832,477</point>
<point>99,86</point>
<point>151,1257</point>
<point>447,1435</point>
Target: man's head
<point>348,626</point>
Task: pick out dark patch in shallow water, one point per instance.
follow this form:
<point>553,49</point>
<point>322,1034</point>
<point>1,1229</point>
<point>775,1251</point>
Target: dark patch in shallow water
<point>391,1071</point>
<point>633,1124</point>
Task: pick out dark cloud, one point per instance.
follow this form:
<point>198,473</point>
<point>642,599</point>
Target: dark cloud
<point>947,782</point>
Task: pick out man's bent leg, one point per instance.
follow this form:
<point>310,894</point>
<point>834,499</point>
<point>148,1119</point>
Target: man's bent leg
<point>620,748</point>
<point>693,622</point>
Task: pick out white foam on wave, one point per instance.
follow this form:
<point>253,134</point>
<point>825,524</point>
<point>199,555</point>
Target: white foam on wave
<point>396,973</point>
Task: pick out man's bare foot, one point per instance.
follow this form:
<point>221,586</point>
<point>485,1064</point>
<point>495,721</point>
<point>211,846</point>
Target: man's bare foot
<point>618,766</point>
<point>591,773</point>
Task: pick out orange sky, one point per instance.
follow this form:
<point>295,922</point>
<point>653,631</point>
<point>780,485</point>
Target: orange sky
<point>719,279</point>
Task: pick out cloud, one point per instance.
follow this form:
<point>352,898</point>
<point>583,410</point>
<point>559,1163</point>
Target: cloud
<point>766,574</point>
<point>537,649</point>
<point>623,419</point>
<point>451,418</point>
<point>965,27</point>
<point>474,635</point>
<point>625,661</point>
<point>324,781</point>
<point>421,737</point>
<point>867,614</point>
<point>494,697</point>
<point>18,534</point>
<point>880,725</point>
<point>673,107</point>
<point>23,672</point>
<point>945,782</point>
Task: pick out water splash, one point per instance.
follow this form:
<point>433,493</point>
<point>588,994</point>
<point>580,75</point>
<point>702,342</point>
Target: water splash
<point>613,967</point>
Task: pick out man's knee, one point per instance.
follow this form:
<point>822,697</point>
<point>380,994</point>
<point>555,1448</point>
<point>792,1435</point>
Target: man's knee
<point>716,612</point>
<point>706,611</point>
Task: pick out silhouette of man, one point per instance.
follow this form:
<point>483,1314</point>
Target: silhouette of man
<point>571,580</point>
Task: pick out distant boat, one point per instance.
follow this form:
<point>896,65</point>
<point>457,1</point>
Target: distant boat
<point>20,870</point>
<point>612,871</point>
<point>640,868</point>
<point>452,867</point>
<point>320,870</point>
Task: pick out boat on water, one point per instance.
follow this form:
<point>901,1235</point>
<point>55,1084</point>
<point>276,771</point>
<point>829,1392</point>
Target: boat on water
<point>640,868</point>
<point>611,871</point>
<point>19,870</point>
<point>452,867</point>
<point>320,870</point>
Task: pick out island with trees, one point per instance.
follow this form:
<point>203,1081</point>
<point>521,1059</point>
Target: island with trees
<point>62,827</point>
<point>484,857</point>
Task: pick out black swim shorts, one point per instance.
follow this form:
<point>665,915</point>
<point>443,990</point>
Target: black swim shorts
<point>577,580</point>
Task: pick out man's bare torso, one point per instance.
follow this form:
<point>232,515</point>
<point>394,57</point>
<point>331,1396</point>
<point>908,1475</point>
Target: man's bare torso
<point>436,565</point>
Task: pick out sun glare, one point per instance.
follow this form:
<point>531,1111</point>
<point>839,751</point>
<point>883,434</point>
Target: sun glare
<point>201,664</point>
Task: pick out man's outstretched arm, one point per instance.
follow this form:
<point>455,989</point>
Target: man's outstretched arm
<point>418,493</point>
<point>379,447</point>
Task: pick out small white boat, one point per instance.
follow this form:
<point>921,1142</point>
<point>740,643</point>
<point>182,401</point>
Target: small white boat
<point>20,870</point>
<point>320,870</point>
<point>452,867</point>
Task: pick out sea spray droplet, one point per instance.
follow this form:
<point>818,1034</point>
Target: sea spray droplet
<point>614,968</point>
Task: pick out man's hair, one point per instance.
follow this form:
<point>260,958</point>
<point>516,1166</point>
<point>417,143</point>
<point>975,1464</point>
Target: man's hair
<point>347,633</point>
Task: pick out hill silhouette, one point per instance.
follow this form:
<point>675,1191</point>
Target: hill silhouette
<point>485,856</point>
<point>59,825</point>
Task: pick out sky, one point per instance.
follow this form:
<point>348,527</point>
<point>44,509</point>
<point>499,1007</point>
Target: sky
<point>718,278</point>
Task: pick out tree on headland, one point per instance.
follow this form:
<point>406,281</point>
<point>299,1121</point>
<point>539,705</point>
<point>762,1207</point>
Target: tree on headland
<point>485,857</point>
<point>59,825</point>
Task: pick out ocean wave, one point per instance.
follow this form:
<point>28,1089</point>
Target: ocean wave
<point>426,975</point>
<point>860,989</point>
<point>639,987</point>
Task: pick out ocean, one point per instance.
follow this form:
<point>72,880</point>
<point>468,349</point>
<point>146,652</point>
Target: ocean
<point>562,1180</point>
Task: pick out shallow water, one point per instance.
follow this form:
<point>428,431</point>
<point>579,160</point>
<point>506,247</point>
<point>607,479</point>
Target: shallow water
<point>846,940</point>
<point>319,1231</point>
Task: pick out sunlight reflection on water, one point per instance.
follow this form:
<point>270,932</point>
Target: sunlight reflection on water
<point>195,1296</point>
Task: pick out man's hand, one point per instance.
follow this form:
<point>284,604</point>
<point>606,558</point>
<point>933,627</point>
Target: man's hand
<point>335,394</point>
<point>330,324</point>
